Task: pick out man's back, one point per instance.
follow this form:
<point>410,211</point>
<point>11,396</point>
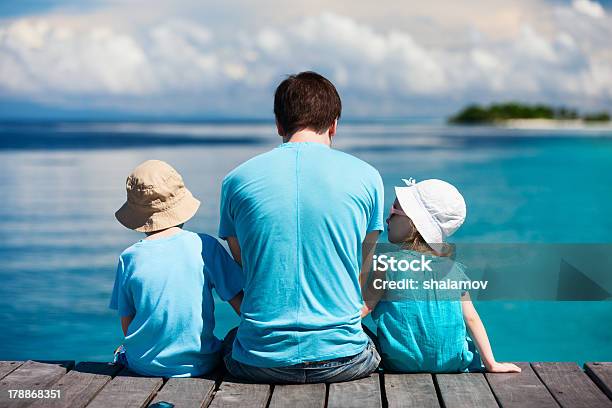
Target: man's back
<point>300,213</point>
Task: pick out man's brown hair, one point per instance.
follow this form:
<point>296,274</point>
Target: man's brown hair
<point>306,100</point>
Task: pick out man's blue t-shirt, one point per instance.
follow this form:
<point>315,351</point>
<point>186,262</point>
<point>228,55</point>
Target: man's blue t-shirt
<point>166,284</point>
<point>300,213</point>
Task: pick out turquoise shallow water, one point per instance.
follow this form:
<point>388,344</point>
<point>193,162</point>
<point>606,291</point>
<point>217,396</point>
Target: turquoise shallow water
<point>62,183</point>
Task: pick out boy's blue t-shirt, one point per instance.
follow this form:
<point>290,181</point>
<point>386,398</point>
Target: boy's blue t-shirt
<point>300,213</point>
<point>422,330</point>
<point>166,284</point>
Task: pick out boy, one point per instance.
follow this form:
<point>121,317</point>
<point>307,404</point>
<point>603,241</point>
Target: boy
<point>163,286</point>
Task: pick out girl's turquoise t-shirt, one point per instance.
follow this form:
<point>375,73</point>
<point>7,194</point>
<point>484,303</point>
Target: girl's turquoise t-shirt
<point>422,330</point>
<point>166,284</point>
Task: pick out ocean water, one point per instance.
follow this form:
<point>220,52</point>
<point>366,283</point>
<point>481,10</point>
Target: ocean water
<point>62,182</point>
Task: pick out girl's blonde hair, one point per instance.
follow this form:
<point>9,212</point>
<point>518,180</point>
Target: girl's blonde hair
<point>416,242</point>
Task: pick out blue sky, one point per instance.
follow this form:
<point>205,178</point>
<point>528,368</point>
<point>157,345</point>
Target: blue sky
<point>190,58</point>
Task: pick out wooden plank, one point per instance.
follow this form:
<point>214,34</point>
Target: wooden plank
<point>465,390</point>
<point>519,390</point>
<point>185,393</point>
<point>356,394</point>
<point>7,367</point>
<point>234,394</point>
<point>410,390</point>
<point>80,385</point>
<point>31,375</point>
<point>298,396</point>
<point>127,390</point>
<point>601,374</point>
<point>570,386</point>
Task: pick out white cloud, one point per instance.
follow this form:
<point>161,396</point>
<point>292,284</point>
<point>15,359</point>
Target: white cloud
<point>55,59</point>
<point>590,8</point>
<point>558,53</point>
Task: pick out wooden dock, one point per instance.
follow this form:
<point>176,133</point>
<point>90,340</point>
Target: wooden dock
<point>89,384</point>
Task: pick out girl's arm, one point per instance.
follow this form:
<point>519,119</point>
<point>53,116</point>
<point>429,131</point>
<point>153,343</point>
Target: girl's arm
<point>479,335</point>
<point>125,322</point>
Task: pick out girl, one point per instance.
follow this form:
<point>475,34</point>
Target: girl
<point>422,327</point>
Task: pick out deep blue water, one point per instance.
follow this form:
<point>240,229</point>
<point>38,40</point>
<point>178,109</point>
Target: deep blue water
<point>61,184</point>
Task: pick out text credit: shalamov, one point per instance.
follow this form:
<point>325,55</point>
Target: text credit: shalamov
<point>421,273</point>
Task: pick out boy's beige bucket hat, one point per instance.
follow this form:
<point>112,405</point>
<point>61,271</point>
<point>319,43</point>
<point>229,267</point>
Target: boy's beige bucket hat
<point>156,198</point>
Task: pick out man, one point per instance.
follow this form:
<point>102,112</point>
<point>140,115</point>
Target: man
<point>302,219</point>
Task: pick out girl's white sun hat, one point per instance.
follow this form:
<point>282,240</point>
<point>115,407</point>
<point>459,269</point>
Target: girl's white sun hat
<point>436,208</point>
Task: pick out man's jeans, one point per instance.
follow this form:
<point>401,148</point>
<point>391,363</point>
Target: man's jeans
<point>336,370</point>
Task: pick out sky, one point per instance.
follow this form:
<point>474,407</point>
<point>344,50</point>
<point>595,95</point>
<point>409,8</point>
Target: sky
<point>207,59</point>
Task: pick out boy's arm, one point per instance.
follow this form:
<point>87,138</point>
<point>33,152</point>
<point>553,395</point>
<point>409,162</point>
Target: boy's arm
<point>125,323</point>
<point>225,272</point>
<point>479,335</point>
<point>121,299</point>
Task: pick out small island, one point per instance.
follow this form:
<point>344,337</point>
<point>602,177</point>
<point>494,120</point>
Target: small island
<point>504,113</point>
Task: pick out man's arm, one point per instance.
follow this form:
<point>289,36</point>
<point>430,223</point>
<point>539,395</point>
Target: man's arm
<point>368,247</point>
<point>234,247</point>
<point>371,297</point>
<point>236,302</point>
